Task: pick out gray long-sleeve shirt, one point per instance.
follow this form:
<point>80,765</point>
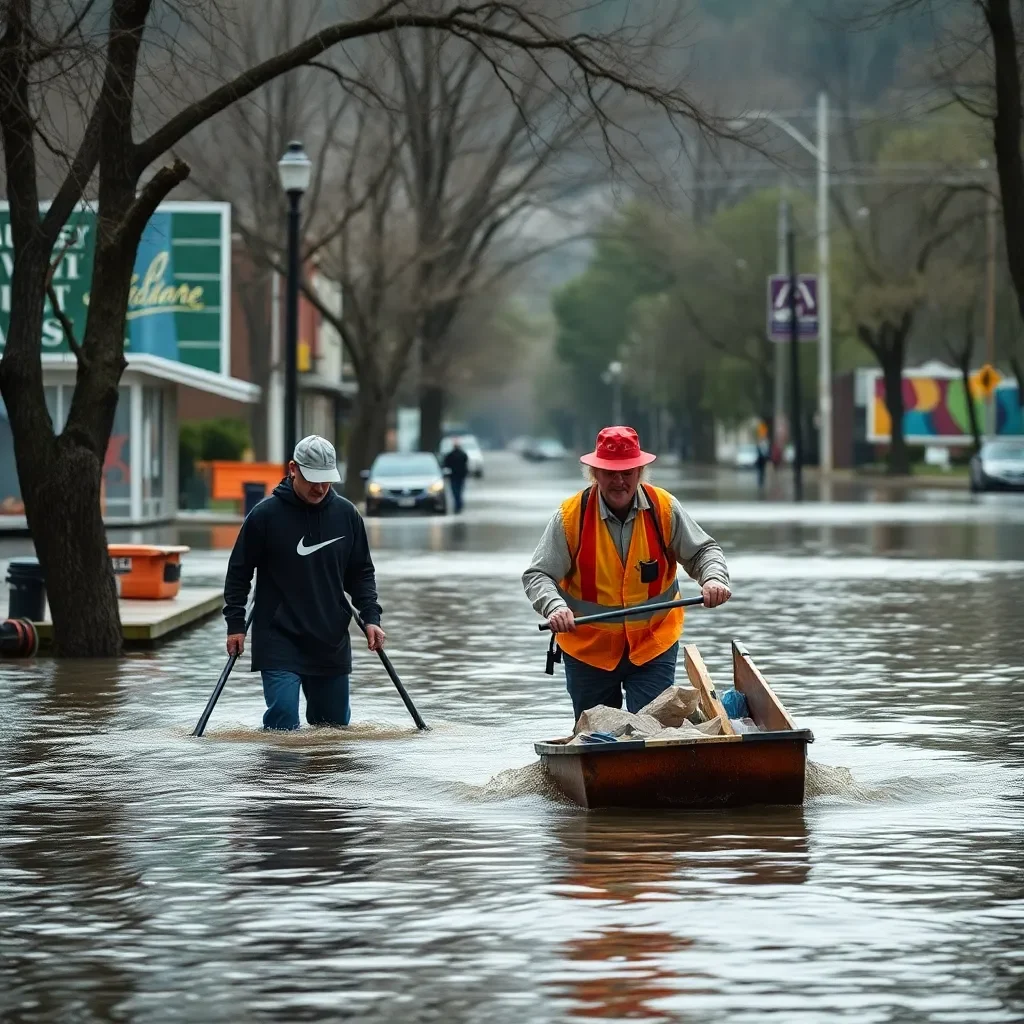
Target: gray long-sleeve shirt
<point>698,553</point>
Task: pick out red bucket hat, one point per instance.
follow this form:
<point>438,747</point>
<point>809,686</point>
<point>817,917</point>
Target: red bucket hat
<point>617,448</point>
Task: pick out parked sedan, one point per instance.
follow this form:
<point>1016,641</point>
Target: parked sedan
<point>544,449</point>
<point>400,481</point>
<point>999,466</point>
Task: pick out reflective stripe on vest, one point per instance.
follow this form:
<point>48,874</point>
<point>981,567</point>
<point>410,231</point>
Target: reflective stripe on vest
<point>599,582</point>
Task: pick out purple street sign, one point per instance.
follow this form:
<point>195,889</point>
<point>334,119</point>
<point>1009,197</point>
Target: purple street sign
<point>806,307</point>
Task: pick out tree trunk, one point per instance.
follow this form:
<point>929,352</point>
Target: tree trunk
<point>254,298</point>
<point>60,477</point>
<point>71,543</point>
<point>964,363</point>
<point>892,370</point>
<point>366,439</point>
<point>1018,371</point>
<point>703,439</point>
<point>1006,130</point>
<point>432,403</point>
<point>432,391</point>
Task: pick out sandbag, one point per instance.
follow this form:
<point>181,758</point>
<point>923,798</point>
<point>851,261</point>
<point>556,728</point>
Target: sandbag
<point>674,706</point>
<point>616,722</point>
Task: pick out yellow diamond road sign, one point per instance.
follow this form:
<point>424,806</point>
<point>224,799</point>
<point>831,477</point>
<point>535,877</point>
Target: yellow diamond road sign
<point>986,379</point>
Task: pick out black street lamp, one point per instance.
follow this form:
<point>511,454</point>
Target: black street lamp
<point>294,171</point>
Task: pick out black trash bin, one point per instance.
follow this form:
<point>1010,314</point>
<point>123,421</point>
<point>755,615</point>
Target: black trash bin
<point>254,494</point>
<point>28,590</point>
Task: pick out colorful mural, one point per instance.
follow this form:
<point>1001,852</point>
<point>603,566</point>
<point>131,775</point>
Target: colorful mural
<point>935,410</point>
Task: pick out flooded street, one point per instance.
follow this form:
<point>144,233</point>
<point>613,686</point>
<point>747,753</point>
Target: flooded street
<point>379,874</point>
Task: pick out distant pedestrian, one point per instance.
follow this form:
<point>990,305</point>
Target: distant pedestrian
<point>457,463</point>
<point>763,458</point>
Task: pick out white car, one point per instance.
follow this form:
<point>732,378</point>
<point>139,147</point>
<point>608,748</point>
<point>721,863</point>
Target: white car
<point>470,446</point>
<point>545,449</point>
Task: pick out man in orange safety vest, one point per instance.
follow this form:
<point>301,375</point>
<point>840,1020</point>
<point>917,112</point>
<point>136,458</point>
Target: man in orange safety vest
<point>617,544</point>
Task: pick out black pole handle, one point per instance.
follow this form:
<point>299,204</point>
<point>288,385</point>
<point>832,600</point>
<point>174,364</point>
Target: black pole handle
<point>390,669</point>
<point>685,602</point>
<point>208,710</point>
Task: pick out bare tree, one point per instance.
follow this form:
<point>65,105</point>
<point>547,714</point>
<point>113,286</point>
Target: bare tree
<point>97,51</point>
<point>234,159</point>
<point>894,226</point>
<point>978,66</point>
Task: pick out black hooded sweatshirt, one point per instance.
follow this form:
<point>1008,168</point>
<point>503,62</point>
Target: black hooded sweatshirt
<point>304,555</point>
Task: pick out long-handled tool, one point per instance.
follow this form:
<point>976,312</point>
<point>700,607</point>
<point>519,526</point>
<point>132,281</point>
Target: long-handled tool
<point>645,609</point>
<point>555,652</point>
<point>390,669</point>
<point>208,710</point>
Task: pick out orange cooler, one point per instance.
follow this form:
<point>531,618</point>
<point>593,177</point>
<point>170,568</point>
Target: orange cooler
<point>147,571</point>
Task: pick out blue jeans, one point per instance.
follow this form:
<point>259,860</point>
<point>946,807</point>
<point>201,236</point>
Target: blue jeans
<point>326,699</point>
<point>590,686</point>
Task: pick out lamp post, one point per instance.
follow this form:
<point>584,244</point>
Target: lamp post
<point>294,173</point>
<point>820,154</point>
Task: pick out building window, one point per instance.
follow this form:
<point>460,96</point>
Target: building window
<point>153,452</point>
<point>10,486</point>
<point>117,474</point>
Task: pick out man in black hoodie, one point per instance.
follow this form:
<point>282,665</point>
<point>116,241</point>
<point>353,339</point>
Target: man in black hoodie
<point>309,546</point>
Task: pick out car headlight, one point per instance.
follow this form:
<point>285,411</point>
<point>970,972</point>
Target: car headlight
<point>436,487</point>
<point>373,489</point>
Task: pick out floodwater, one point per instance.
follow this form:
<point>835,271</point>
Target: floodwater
<point>378,874</point>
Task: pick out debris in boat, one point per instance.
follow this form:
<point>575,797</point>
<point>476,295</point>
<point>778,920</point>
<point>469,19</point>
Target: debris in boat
<point>745,724</point>
<point>672,715</point>
<point>735,704</point>
<point>616,722</point>
<point>674,706</point>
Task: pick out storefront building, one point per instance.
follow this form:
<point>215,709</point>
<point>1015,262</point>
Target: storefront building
<point>177,335</point>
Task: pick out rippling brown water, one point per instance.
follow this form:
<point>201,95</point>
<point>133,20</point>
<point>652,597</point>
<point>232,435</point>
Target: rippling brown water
<point>380,874</point>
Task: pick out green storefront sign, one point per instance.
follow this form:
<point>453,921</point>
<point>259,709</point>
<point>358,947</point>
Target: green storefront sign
<point>179,304</point>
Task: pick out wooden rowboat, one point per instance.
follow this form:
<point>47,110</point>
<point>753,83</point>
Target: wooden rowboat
<point>729,770</point>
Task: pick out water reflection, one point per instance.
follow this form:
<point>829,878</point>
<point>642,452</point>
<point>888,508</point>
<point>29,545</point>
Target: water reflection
<point>78,907</point>
<point>628,857</point>
<point>621,972</point>
<point>633,860</point>
<point>294,835</point>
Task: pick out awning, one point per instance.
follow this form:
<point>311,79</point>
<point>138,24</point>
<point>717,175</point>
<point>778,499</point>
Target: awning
<point>172,371</point>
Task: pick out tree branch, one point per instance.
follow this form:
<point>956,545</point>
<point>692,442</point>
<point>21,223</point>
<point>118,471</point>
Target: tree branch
<point>153,194</point>
<point>66,325</point>
<point>584,51</point>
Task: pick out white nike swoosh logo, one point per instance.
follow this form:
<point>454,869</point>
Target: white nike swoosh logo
<point>301,548</point>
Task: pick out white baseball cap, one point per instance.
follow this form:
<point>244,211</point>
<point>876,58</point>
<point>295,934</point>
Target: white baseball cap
<point>316,458</point>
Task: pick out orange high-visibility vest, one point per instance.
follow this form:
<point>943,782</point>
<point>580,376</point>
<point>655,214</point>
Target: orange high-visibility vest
<point>598,581</point>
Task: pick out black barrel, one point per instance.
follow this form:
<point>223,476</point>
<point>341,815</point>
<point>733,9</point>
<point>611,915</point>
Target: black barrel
<point>254,494</point>
<point>28,589</point>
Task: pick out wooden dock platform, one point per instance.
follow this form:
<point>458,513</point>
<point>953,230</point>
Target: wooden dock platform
<point>145,622</point>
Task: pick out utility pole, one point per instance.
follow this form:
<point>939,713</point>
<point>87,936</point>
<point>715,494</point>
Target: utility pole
<point>990,306</point>
<point>781,433</point>
<point>824,296</point>
<point>794,359</point>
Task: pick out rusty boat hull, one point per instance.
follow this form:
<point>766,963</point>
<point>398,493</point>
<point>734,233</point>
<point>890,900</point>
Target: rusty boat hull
<point>730,770</point>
